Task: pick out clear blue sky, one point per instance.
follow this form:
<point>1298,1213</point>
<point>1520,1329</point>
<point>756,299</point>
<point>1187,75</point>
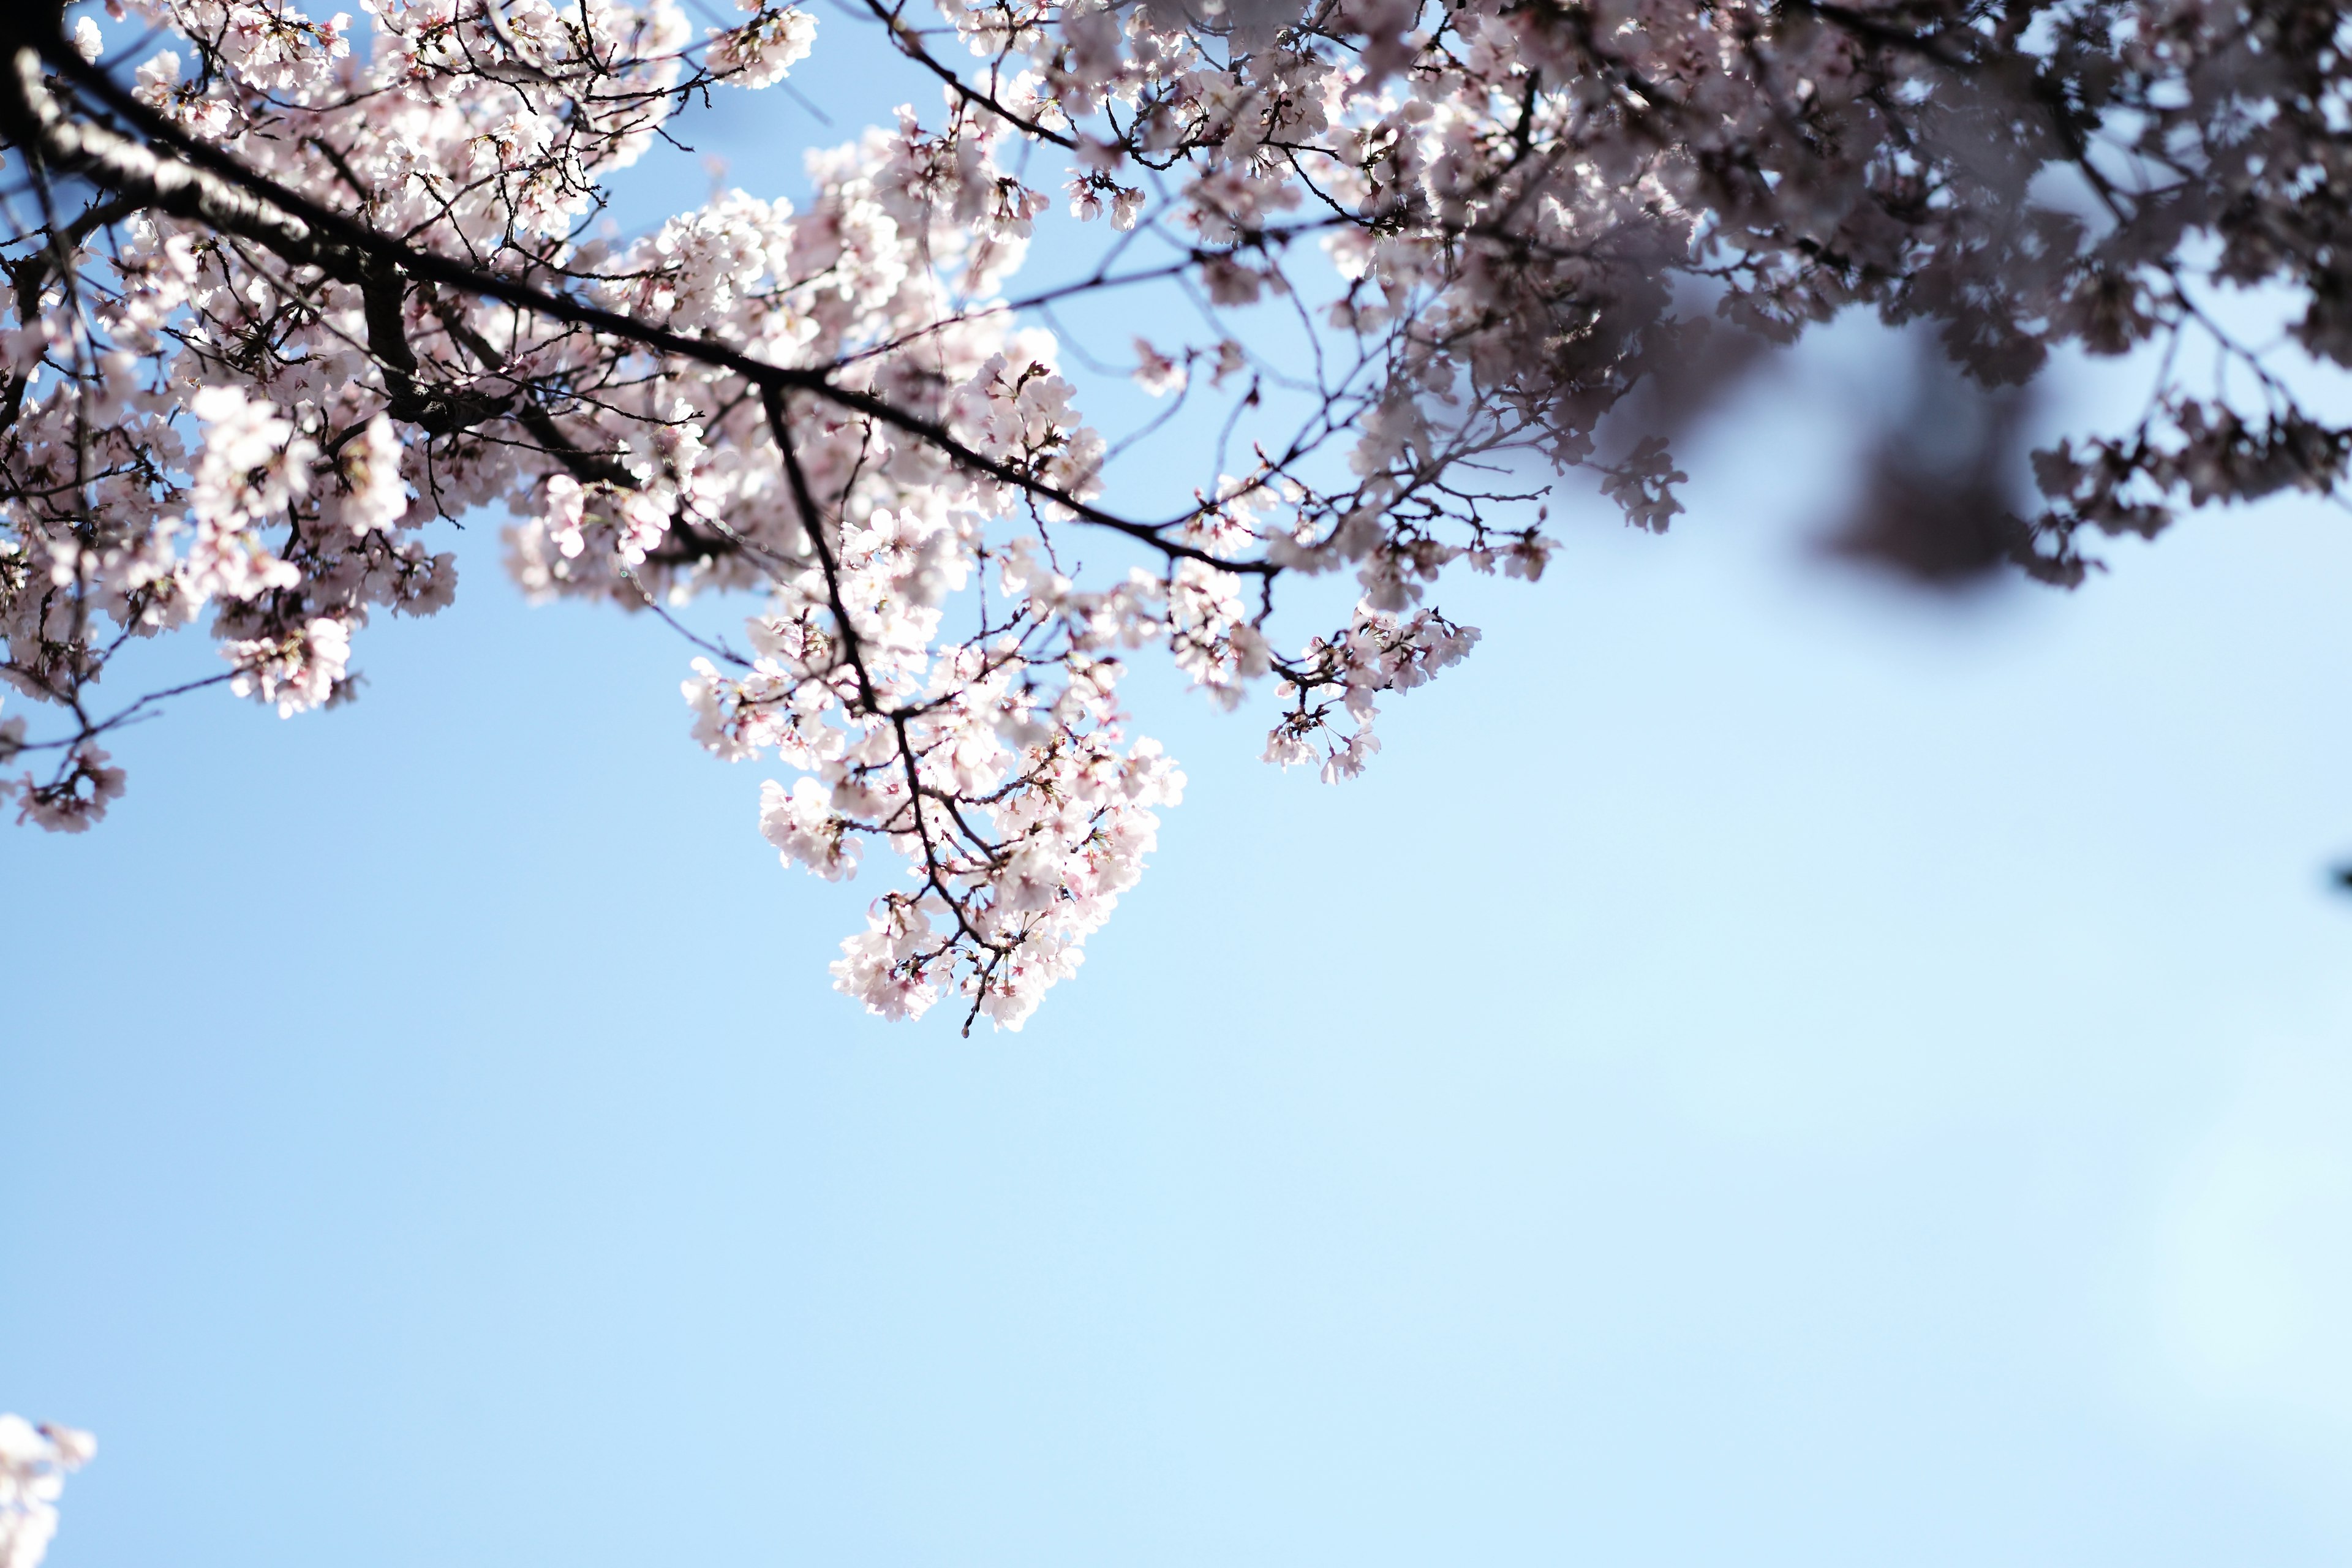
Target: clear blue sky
<point>1764,1070</point>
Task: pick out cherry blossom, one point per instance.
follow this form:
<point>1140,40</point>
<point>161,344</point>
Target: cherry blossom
<point>285,295</point>
<point>34,1464</point>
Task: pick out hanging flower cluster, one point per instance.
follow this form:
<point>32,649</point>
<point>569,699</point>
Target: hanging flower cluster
<point>284,293</point>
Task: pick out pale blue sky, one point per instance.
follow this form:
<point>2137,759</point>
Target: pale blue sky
<point>1764,1070</point>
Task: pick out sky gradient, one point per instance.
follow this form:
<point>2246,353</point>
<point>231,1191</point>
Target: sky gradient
<point>1766,1069</point>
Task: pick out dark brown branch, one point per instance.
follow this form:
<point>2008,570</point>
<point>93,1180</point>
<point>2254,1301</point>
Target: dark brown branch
<point>204,184</point>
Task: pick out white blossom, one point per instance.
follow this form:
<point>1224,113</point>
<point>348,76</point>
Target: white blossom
<point>34,1464</point>
<point>1414,264</point>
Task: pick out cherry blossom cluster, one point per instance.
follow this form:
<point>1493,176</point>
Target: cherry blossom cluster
<point>995,766</point>
<point>34,1463</point>
<point>286,294</point>
<point>1538,206</point>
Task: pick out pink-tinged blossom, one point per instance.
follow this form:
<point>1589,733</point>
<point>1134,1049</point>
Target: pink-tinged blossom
<point>297,672</point>
<point>1499,227</point>
<point>759,52</point>
<point>34,1464</point>
<point>74,797</point>
<point>805,829</point>
<point>1156,373</point>
<point>372,499</point>
<point>253,466</point>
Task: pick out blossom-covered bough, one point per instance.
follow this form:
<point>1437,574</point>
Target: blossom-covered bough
<point>286,293</point>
